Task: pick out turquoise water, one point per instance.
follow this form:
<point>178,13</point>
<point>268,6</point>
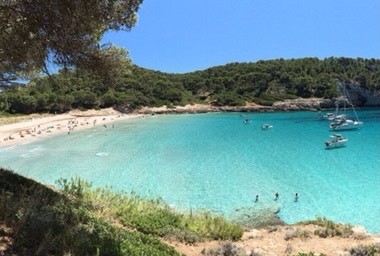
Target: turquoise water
<point>213,161</point>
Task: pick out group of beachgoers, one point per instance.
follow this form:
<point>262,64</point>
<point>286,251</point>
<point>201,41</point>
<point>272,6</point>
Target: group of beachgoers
<point>277,196</point>
<point>52,127</point>
<point>30,129</point>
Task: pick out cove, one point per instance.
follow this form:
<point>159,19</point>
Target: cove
<point>215,161</point>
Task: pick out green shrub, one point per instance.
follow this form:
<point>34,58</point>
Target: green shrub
<point>213,227</point>
<point>225,249</point>
<point>228,99</point>
<point>330,228</point>
<point>150,216</point>
<point>45,222</point>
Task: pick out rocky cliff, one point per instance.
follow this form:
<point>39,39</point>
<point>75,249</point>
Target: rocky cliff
<point>363,97</point>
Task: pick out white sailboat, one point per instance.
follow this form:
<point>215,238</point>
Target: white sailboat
<point>332,116</point>
<point>341,122</point>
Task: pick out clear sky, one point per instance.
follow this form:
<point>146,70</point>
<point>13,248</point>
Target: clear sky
<point>179,36</point>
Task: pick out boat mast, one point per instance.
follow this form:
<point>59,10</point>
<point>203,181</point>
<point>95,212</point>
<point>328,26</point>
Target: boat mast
<point>347,95</point>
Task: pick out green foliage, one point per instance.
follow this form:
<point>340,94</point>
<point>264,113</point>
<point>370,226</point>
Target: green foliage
<point>263,82</point>
<point>46,222</point>
<point>228,99</point>
<point>213,227</point>
<point>150,216</point>
<point>64,33</point>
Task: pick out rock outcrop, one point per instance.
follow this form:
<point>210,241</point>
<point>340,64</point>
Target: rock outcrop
<point>363,97</point>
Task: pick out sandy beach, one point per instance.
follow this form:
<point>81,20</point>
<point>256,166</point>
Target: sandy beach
<point>39,127</point>
<point>35,127</point>
<point>42,126</point>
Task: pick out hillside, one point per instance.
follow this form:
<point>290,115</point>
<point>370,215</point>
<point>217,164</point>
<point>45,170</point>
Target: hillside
<point>235,84</point>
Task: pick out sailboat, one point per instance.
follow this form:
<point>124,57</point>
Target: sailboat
<point>341,122</point>
<point>332,116</point>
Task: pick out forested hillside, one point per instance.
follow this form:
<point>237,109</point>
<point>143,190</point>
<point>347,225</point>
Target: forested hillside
<point>262,82</point>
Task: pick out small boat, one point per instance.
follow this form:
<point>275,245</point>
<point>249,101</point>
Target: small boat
<point>328,116</point>
<point>332,116</point>
<point>266,126</point>
<point>247,121</point>
<point>336,141</point>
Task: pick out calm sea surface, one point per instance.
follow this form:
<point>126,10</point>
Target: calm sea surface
<point>213,161</point>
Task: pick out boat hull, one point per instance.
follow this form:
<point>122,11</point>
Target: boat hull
<point>347,125</point>
<point>335,145</point>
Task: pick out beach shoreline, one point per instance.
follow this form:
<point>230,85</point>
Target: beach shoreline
<point>44,126</point>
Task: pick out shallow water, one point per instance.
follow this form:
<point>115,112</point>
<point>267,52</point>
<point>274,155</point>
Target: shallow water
<point>214,161</point>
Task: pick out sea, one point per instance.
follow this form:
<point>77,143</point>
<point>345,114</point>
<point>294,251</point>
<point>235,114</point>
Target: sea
<point>216,162</point>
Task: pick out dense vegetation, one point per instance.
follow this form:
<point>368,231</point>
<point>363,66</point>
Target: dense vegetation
<point>79,220</point>
<point>233,84</point>
<point>37,33</point>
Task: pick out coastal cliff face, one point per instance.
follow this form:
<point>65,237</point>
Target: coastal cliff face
<point>363,97</point>
<point>359,96</point>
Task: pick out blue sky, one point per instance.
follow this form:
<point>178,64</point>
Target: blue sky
<point>179,36</point>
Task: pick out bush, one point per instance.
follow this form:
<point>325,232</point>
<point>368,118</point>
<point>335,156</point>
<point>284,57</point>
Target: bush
<point>330,229</point>
<point>45,222</point>
<point>365,250</point>
<point>228,99</point>
<point>151,216</point>
<point>297,233</point>
<point>226,249</point>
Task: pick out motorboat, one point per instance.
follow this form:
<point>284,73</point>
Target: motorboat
<point>266,126</point>
<point>336,141</point>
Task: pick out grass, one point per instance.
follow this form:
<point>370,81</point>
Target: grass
<point>152,216</point>
<point>76,219</point>
<point>47,222</point>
